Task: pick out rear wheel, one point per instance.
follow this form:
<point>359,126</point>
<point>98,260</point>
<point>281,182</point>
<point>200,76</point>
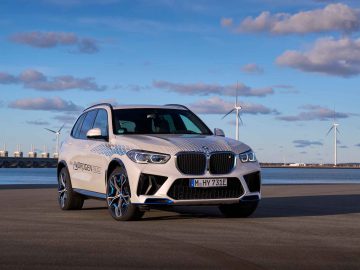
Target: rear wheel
<point>118,197</point>
<point>67,198</point>
<point>241,210</point>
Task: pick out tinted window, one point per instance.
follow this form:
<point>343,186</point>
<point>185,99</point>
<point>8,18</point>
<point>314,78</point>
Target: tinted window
<point>87,124</point>
<point>101,121</point>
<point>76,129</point>
<point>190,124</point>
<point>158,121</point>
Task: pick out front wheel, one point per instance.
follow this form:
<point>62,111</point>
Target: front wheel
<point>118,197</point>
<point>240,210</point>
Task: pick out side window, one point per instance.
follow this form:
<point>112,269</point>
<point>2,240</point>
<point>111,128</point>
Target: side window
<point>189,125</point>
<point>87,124</point>
<point>101,121</point>
<point>76,129</point>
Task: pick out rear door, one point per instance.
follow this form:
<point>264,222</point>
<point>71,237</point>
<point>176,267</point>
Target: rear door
<point>94,153</point>
<point>81,167</point>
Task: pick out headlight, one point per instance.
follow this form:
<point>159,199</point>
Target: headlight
<point>144,157</point>
<point>248,156</point>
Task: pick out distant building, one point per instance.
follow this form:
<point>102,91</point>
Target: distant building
<point>45,155</point>
<point>297,164</point>
<point>4,153</point>
<point>32,153</point>
<point>18,154</point>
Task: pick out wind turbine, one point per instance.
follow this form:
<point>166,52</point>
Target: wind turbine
<point>57,133</point>
<point>236,108</point>
<point>336,131</point>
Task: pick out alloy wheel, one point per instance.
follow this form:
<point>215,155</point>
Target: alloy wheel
<point>118,195</point>
<point>62,189</point>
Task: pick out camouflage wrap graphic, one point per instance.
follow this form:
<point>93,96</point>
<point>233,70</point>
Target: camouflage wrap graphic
<point>172,144</point>
<point>109,150</point>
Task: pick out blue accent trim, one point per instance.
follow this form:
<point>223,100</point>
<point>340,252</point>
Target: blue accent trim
<point>90,193</point>
<point>156,201</point>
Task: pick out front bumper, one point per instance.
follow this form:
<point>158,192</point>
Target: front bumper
<point>170,173</point>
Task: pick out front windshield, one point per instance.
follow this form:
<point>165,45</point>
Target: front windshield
<point>158,121</point>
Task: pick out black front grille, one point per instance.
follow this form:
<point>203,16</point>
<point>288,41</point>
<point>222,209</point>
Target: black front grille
<point>181,190</point>
<point>222,163</point>
<point>191,163</point>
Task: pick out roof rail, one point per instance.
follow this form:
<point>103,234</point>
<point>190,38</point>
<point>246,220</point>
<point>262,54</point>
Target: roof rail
<point>178,105</point>
<point>99,104</point>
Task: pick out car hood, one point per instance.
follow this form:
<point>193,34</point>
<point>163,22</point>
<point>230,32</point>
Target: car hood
<point>174,143</point>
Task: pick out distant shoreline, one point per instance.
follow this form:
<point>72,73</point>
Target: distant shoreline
<point>310,166</point>
<point>26,162</point>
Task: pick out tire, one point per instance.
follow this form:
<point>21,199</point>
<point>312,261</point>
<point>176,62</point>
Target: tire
<point>67,198</point>
<point>118,197</point>
<point>239,210</point>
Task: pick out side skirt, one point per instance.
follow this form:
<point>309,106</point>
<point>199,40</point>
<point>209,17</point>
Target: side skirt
<point>90,194</point>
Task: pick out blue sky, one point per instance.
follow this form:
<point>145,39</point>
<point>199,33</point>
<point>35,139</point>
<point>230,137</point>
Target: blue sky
<point>294,62</point>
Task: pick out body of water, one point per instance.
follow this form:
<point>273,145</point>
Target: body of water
<point>269,176</point>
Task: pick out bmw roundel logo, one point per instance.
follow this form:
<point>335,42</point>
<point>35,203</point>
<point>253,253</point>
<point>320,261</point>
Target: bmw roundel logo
<point>206,150</point>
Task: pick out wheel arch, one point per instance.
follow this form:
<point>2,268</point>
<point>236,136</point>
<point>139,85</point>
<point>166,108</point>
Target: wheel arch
<point>61,164</point>
<point>112,165</point>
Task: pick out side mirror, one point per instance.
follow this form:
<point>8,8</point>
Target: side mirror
<point>94,133</point>
<point>219,132</point>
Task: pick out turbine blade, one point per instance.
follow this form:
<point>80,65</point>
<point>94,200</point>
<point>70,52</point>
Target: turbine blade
<point>228,113</point>
<point>329,130</point>
<point>53,131</point>
<point>338,131</point>
<point>61,128</point>
<point>241,121</point>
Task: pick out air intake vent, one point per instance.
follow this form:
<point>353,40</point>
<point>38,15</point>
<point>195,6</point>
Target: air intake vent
<point>191,163</point>
<point>181,190</point>
<point>253,181</point>
<point>222,163</point>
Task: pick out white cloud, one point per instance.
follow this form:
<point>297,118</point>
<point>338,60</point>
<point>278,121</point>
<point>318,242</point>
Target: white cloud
<point>53,39</point>
<point>38,122</point>
<point>216,105</point>
<point>209,89</point>
<point>333,17</point>
<point>252,68</point>
<point>315,112</point>
<point>34,79</point>
<point>339,57</point>
<point>306,143</point>
<point>226,22</point>
<point>44,104</point>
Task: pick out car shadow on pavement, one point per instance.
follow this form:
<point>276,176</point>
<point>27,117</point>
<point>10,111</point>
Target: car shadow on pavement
<point>316,205</point>
<point>299,206</point>
<point>269,207</point>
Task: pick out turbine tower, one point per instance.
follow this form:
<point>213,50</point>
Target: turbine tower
<point>336,131</point>
<point>57,133</point>
<point>237,109</point>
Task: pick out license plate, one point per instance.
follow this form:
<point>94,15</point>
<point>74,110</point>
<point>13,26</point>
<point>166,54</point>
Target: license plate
<point>204,183</point>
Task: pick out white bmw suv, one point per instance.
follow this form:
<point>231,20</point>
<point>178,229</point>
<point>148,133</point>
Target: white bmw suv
<point>138,157</point>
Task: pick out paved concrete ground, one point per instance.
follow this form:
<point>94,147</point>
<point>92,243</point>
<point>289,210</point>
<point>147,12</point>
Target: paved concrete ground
<point>295,227</point>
